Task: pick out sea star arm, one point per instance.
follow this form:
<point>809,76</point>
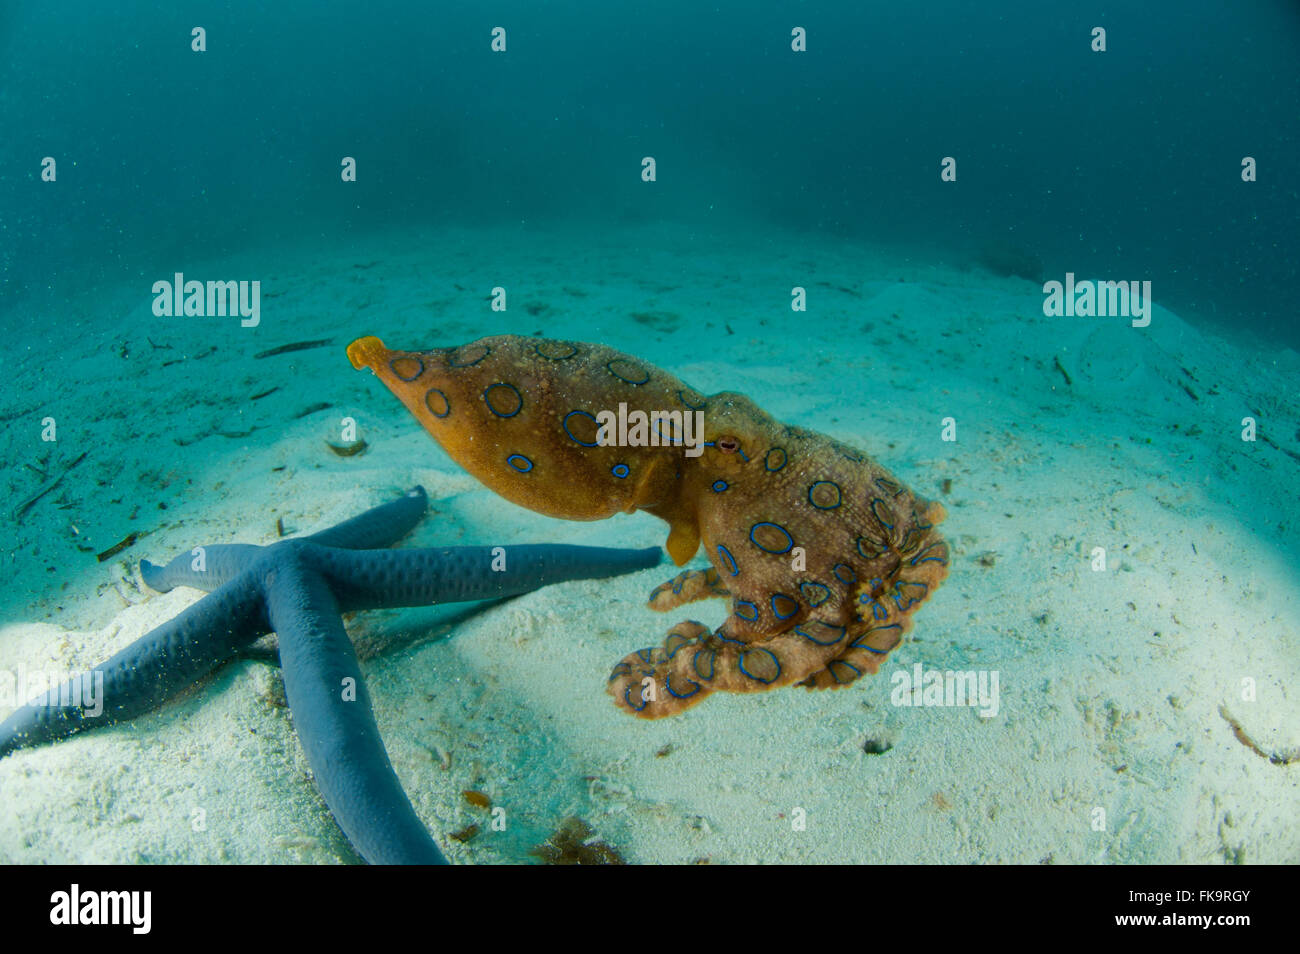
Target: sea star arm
<point>298,588</point>
<point>380,526</point>
<point>206,568</point>
<point>372,579</point>
<point>335,722</point>
<point>203,568</point>
<point>146,673</point>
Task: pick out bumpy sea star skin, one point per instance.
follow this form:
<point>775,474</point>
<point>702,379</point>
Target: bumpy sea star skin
<point>297,589</point>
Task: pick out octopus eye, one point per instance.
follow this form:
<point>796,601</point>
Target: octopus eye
<point>728,445</point>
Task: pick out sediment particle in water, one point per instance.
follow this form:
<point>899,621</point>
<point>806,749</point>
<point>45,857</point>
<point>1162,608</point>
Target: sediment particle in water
<point>464,834</point>
<point>574,843</point>
<point>115,549</point>
<point>312,409</point>
<point>294,346</point>
<point>350,449</point>
<point>343,433</point>
<point>1284,757</point>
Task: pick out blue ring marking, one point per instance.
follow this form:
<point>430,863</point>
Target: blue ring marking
<point>753,608</point>
<point>647,657</point>
<point>565,424</point>
<point>685,641</point>
<point>392,366</point>
<point>719,485</point>
<point>852,576</point>
<point>880,548</point>
<point>878,609</point>
<point>775,661</point>
<point>644,701</point>
<point>899,595</point>
<point>695,663</point>
<point>469,364</point>
<point>681,396</point>
<point>668,684</point>
<point>929,559</point>
<point>555,357</point>
<point>889,486</point>
<point>609,367</point>
<point>814,590</point>
<point>920,521</point>
<point>883,522</point>
<point>794,605</point>
<point>835,674</point>
<point>446,404</point>
<point>717,634</point>
<point>672,439</point>
<point>620,471</point>
<point>517,461</point>
<point>910,540</point>
<point>839,496</point>
<point>513,390</point>
<point>767,459</point>
<point>725,554</point>
<point>622,669</point>
<point>839,632</point>
<point>789,544</point>
<point>860,644</point>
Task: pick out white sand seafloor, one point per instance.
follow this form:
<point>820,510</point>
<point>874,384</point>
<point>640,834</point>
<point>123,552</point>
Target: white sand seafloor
<point>1116,686</point>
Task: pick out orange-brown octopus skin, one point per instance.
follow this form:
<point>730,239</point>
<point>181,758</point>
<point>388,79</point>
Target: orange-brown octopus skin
<point>823,554</point>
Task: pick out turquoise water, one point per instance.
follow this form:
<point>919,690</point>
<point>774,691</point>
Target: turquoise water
<point>1099,161</point>
<point>667,182</point>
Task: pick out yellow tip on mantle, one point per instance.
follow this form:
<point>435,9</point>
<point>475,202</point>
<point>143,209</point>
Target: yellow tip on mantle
<point>366,352</point>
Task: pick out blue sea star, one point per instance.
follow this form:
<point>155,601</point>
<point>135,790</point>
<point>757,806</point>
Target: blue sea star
<point>297,589</point>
